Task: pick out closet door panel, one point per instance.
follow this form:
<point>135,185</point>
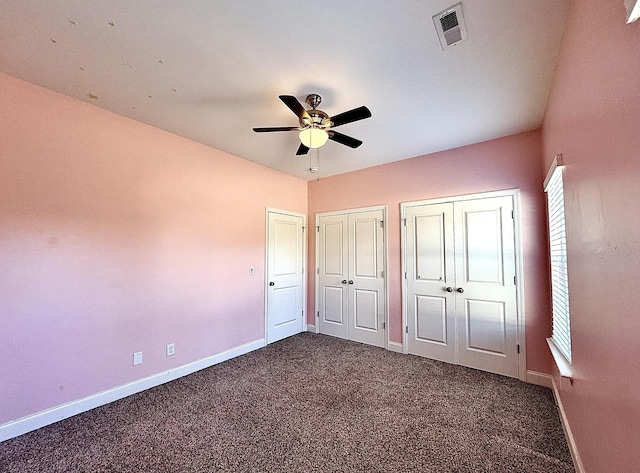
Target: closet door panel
<point>430,271</point>
<point>332,276</point>
<point>366,279</point>
<point>485,272</point>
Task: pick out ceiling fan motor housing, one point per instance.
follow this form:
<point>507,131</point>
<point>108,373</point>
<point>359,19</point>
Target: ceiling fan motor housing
<point>318,119</point>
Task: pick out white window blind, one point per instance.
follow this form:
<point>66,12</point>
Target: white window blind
<point>558,252</point>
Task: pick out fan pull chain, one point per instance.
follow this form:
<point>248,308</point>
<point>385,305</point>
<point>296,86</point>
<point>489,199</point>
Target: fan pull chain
<point>314,169</point>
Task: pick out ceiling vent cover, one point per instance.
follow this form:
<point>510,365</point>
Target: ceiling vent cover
<point>450,26</point>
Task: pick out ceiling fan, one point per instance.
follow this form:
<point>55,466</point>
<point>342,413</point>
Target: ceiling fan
<point>316,127</point>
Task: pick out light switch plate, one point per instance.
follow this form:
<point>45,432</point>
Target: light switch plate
<point>137,358</point>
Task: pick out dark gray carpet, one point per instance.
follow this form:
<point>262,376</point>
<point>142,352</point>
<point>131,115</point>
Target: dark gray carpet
<point>310,403</point>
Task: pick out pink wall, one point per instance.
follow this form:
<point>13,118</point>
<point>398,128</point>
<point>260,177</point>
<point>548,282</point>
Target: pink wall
<point>505,163</point>
<point>593,119</point>
<point>117,237</point>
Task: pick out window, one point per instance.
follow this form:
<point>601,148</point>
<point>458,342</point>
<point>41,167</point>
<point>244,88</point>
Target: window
<point>561,336</point>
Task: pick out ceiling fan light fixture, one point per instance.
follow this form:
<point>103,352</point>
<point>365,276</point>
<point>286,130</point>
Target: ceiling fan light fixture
<point>315,126</point>
<point>313,137</point>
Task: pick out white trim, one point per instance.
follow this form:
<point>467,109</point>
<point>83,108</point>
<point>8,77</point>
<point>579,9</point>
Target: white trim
<point>557,162</point>
<point>564,367</point>
<point>305,235</point>
<point>633,10</point>
<point>395,347</point>
<point>372,208</point>
<point>455,198</point>
<point>49,416</point>
<point>573,448</point>
<point>517,236</point>
<point>316,273</point>
<point>403,271</point>
<point>541,379</point>
<point>385,264</point>
<point>310,328</point>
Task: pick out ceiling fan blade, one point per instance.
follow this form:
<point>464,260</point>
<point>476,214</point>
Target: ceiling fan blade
<point>275,128</point>
<point>344,139</point>
<point>302,149</point>
<point>295,106</point>
<point>354,115</point>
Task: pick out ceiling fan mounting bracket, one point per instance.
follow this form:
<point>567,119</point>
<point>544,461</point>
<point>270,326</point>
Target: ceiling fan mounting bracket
<point>313,100</point>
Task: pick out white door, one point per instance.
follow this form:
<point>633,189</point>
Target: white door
<point>485,270</point>
<point>366,286</point>
<point>285,275</point>
<point>430,282</point>
<point>461,289</point>
<point>351,287</point>
<point>333,275</point>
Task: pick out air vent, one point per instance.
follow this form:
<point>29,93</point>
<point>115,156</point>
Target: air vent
<point>450,26</point>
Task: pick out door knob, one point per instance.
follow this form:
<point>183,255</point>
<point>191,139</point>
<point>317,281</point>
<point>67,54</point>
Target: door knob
<point>344,281</point>
<point>449,289</point>
<point>350,281</point>
<point>272,283</point>
<point>460,290</point>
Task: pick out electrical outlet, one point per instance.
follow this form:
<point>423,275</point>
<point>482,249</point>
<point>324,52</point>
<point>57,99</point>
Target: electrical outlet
<point>171,349</point>
<point>252,270</point>
<point>137,358</point>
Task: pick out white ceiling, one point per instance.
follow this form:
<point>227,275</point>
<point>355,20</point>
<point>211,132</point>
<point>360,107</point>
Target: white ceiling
<point>212,70</point>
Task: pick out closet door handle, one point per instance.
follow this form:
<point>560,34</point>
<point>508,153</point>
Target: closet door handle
<point>449,289</point>
<point>460,290</point>
<point>272,283</point>
<point>350,281</point>
<point>344,281</point>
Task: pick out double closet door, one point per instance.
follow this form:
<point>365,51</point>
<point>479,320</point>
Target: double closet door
<point>351,286</point>
<point>460,290</point>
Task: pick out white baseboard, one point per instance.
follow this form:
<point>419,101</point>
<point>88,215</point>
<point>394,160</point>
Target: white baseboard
<point>541,379</point>
<point>395,346</point>
<point>311,328</point>
<point>573,448</point>
<point>40,419</point>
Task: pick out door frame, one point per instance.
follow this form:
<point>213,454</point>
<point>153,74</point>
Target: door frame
<point>517,234</point>
<point>265,277</point>
<point>385,257</point>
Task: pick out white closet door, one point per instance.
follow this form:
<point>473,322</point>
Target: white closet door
<point>366,277</point>
<point>333,275</point>
<point>460,283</point>
<point>485,271</point>
<point>430,282</point>
<point>351,285</point>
